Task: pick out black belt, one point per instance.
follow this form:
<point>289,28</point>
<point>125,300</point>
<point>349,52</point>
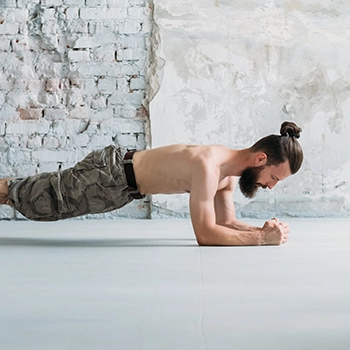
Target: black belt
<point>130,175</point>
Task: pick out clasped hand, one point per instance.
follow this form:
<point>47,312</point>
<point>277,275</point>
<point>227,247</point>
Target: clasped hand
<point>274,232</point>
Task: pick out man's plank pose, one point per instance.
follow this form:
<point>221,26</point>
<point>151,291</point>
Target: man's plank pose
<point>110,178</point>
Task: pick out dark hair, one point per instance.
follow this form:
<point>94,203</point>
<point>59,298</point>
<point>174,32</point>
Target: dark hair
<point>280,148</point>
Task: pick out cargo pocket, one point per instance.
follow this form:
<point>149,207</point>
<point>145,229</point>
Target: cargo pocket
<point>100,157</point>
<point>63,205</point>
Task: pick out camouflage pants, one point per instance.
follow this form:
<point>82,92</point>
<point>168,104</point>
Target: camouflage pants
<point>97,184</point>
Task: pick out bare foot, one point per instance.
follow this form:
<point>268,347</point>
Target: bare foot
<point>4,192</point>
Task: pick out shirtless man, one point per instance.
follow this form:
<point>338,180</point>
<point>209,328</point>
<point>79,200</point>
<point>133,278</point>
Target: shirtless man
<point>111,178</point>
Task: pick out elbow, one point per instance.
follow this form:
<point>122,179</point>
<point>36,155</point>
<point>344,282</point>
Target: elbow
<point>201,242</point>
<point>204,239</point>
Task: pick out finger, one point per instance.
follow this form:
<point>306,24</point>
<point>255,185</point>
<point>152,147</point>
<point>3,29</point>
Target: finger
<point>285,239</point>
<point>285,229</point>
<point>284,226</point>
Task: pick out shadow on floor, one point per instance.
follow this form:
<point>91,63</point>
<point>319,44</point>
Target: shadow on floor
<point>105,243</point>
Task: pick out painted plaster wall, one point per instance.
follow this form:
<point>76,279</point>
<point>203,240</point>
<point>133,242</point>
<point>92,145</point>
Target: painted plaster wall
<point>72,79</point>
<point>230,72</point>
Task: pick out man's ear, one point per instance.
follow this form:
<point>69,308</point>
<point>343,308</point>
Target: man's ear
<point>260,159</point>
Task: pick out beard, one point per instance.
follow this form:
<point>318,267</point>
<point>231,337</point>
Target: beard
<point>248,182</point>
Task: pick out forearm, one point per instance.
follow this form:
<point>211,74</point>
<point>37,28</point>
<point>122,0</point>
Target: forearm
<point>220,235</point>
<point>240,226</point>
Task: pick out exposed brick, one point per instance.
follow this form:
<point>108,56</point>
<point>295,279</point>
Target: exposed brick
<point>27,127</point>
<point>136,12</point>
<point>35,142</point>
<point>2,98</point>
<point>74,2</point>
<point>5,85</point>
<point>99,102</point>
<point>5,45</point>
<point>28,114</point>
<point>52,85</point>
<point>80,113</point>
<point>45,167</point>
<point>110,3</point>
<point>136,2</point>
<point>89,69</point>
<point>78,55</point>
<point>78,26</point>
<point>102,13</point>
<point>137,84</point>
<point>51,142</point>
<point>48,15</point>
<point>8,28</point>
<point>18,156</point>
<point>107,85</point>
<point>101,141</point>
<point>71,126</point>
<point>51,2</point>
<point>130,27</point>
<point>72,13</point>
<point>126,111</point>
<point>127,55</point>
<point>62,91</point>
<point>6,170</point>
<point>7,3</point>
<point>53,156</point>
<point>117,3</point>
<point>134,98</point>
<point>79,140</point>
<point>8,113</point>
<point>94,41</point>
<point>16,15</point>
<point>85,42</point>
<point>104,53</point>
<point>2,129</point>
<point>55,114</point>
<point>49,27</point>
<point>120,126</point>
<point>127,140</point>
<point>133,140</point>
<point>20,43</point>
<point>100,115</point>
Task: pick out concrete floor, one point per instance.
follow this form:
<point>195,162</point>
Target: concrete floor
<point>147,285</point>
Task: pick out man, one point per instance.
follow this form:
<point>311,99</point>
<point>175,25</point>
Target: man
<point>110,178</point>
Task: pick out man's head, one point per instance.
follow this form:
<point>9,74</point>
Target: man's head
<point>276,157</point>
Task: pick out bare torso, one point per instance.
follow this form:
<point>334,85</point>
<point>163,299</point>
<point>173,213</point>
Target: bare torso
<point>170,169</point>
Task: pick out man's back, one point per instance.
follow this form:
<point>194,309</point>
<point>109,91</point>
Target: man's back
<point>170,169</point>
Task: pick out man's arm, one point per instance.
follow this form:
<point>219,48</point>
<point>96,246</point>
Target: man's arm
<point>208,231</point>
<point>225,212</point>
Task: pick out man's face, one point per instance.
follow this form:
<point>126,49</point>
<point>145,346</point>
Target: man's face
<point>264,176</point>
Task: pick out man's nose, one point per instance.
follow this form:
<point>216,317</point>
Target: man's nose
<point>271,184</point>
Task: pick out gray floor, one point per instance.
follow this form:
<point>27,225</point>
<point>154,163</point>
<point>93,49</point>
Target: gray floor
<point>147,285</point>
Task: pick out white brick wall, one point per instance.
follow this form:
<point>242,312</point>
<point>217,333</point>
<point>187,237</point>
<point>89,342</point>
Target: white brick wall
<point>71,80</point>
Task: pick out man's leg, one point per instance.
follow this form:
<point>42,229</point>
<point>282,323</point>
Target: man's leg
<point>97,184</point>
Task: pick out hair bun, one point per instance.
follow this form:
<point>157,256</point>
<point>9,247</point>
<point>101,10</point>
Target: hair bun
<point>290,129</point>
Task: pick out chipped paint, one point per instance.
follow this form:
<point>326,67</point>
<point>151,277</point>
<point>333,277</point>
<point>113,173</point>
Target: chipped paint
<point>230,72</point>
